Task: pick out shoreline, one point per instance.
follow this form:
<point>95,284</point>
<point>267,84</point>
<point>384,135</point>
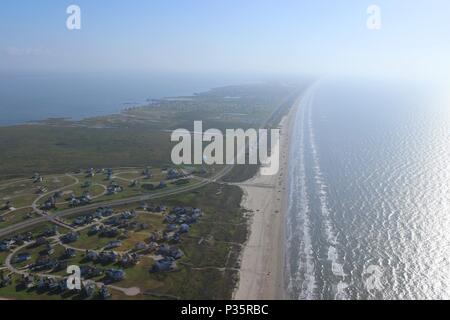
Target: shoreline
<point>261,274</point>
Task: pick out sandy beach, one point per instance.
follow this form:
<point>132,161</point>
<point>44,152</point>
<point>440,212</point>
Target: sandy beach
<point>262,260</point>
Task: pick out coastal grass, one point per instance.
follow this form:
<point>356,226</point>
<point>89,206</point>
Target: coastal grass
<point>49,149</point>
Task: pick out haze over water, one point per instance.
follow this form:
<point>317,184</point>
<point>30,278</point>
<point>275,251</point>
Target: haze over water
<point>369,214</point>
<point>37,96</point>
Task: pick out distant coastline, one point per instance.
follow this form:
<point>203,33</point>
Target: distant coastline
<point>32,99</point>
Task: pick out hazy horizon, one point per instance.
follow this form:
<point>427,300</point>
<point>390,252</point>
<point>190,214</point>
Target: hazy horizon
<point>226,37</point>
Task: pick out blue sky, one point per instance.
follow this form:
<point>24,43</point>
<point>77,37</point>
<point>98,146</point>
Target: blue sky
<point>208,36</point>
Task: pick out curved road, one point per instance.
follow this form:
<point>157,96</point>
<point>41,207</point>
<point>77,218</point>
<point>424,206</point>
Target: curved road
<point>29,223</point>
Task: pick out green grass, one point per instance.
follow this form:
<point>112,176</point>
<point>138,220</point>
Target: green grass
<point>91,242</point>
<point>16,217</point>
<point>29,148</point>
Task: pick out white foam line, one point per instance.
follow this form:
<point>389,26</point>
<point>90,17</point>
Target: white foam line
<point>333,255</point>
<point>303,279</point>
<point>309,282</point>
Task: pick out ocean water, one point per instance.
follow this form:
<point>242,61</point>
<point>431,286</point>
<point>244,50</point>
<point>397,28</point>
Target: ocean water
<point>29,97</point>
<point>369,196</point>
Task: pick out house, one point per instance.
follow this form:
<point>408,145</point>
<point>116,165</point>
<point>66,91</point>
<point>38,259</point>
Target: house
<point>5,281</point>
<point>163,265</point>
<point>153,246</point>
<point>129,259</point>
<point>48,251</point>
<point>160,208</point>
<point>70,237</point>
<point>92,255</point>
<point>27,281</point>
<point>41,190</point>
<point>62,285</point>
<point>155,236</point>
<point>89,288</point>
<point>4,246</point>
<point>147,173</point>
<point>107,257</point>
<point>49,204</point>
<point>74,202</point>
<point>53,284</point>
<point>80,201</point>
<point>104,293</point>
<point>173,174</point>
<point>37,178</point>
<point>40,241</point>
<point>60,265</point>
<point>27,236</point>
<point>90,271</point>
<point>115,274</point>
<point>47,283</point>
<point>109,232</point>
<point>42,283</point>
<point>50,232</point>
<point>140,246</point>
<point>83,220</point>
<point>175,253</point>
<point>163,250</point>
<point>79,221</point>
<point>69,253</point>
<point>176,238</point>
<point>161,185</point>
<point>43,263</point>
<point>113,188</point>
<point>94,230</point>
<point>184,228</point>
<point>103,212</point>
<point>114,244</point>
<point>22,257</point>
<point>143,206</point>
<point>134,183</point>
<point>128,214</point>
<point>18,240</point>
<point>171,227</point>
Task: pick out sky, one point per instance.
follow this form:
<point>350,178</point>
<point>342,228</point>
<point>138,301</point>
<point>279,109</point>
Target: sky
<point>228,36</point>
